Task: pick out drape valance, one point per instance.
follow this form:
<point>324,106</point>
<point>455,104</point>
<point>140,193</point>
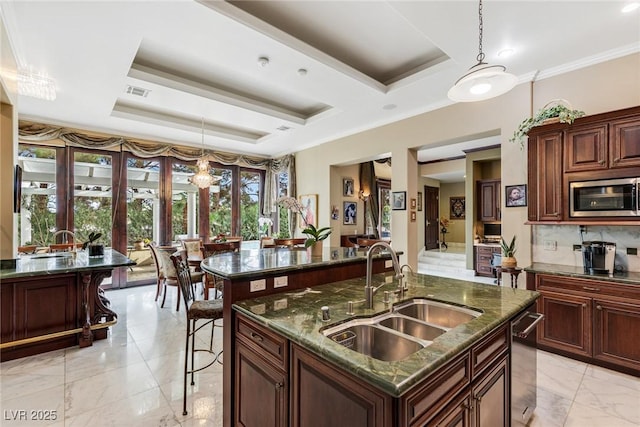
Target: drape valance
<point>36,132</point>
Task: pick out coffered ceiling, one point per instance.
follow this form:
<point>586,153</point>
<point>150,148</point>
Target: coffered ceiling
<point>275,77</point>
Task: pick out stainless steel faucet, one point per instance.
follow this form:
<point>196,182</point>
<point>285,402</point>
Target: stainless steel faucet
<point>369,290</point>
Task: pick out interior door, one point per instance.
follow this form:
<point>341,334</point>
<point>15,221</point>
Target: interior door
<point>431,214</point>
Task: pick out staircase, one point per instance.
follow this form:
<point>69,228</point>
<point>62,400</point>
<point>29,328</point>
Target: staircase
<point>448,263</point>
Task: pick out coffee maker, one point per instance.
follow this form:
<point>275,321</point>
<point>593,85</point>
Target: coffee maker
<point>598,257</point>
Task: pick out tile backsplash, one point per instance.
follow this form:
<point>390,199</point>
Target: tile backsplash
<point>563,237</point>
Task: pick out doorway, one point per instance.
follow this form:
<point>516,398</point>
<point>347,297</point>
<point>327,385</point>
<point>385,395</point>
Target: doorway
<point>431,214</point>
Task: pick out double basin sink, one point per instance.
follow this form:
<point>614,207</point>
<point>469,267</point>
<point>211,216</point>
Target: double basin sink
<point>407,328</point>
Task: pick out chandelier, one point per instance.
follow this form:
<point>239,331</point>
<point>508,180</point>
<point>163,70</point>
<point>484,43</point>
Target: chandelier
<point>482,81</point>
<point>202,178</point>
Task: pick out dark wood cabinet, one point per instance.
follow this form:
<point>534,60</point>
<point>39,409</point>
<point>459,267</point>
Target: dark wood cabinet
<point>490,398</point>
<point>596,321</point>
<point>324,396</point>
<point>488,191</point>
<point>599,147</point>
<point>616,332</point>
<point>483,258</point>
<point>546,201</point>
<point>624,143</point>
<point>586,148</point>
<point>456,414</point>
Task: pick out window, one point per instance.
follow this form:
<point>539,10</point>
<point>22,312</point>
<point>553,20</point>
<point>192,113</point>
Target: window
<point>384,195</point>
<point>37,220</point>
<point>282,224</point>
<point>184,202</point>
<point>220,201</point>
<point>249,204</point>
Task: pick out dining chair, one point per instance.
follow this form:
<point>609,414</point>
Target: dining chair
<point>27,250</point>
<point>267,242</point>
<point>166,272</point>
<point>366,243</point>
<point>290,243</point>
<point>64,247</point>
<point>206,310</point>
<point>192,246</point>
<point>213,281</point>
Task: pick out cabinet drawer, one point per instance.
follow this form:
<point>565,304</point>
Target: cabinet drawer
<point>490,349</point>
<point>423,403</point>
<point>271,346</point>
<point>486,250</point>
<point>586,286</point>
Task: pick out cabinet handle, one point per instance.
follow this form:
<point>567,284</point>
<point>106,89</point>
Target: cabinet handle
<point>256,337</point>
<point>278,386</point>
<point>589,288</point>
<point>602,161</point>
<point>478,398</point>
<point>584,305</point>
<point>599,307</point>
<point>616,160</point>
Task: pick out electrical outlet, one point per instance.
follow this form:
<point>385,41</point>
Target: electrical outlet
<point>279,282</point>
<point>257,285</point>
<point>632,251</point>
<point>388,264</point>
<point>577,247</point>
<point>550,245</point>
<point>280,304</point>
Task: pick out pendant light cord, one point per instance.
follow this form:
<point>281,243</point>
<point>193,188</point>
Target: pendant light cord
<point>480,56</point>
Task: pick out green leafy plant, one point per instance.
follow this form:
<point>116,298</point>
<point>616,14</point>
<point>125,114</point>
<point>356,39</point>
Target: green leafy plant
<point>510,249</point>
<point>93,236</point>
<point>562,112</point>
<point>315,234</point>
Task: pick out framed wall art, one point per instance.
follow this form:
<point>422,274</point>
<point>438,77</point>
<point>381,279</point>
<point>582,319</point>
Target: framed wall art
<point>350,210</point>
<point>347,187</point>
<point>419,201</point>
<point>515,195</point>
<point>456,208</point>
<point>399,200</point>
<point>309,203</point>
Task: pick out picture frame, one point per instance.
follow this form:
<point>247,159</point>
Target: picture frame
<point>17,189</point>
<point>515,195</point>
<point>399,200</point>
<point>347,187</point>
<point>309,214</point>
<point>420,201</point>
<point>414,203</point>
<point>457,207</point>
<point>350,213</point>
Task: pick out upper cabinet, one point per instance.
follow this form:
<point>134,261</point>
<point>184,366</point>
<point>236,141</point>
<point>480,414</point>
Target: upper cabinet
<point>488,200</point>
<point>599,147</point>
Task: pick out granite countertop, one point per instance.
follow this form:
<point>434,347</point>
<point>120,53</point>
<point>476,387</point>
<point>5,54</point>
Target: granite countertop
<point>254,262</point>
<point>490,245</point>
<point>297,316</point>
<point>63,262</point>
<point>628,277</point>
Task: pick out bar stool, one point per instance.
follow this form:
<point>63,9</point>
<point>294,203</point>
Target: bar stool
<point>208,310</point>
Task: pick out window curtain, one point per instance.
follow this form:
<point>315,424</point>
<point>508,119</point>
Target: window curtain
<point>369,187</point>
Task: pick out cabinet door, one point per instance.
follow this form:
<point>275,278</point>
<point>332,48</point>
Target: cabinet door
<point>567,322</point>
<point>490,405</point>
<point>625,143</point>
<point>489,200</point>
<point>260,391</point>
<point>586,149</point>
<point>456,414</point>
<point>324,396</point>
<point>616,333</point>
<point>546,177</point>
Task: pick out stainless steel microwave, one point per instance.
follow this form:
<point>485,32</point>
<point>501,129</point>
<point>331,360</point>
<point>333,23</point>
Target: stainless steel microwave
<point>612,197</point>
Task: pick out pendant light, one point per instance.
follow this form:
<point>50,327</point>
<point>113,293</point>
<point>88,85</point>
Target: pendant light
<point>483,81</point>
<point>202,178</point>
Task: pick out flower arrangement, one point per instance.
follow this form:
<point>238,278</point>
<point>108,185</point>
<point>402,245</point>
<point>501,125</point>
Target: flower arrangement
<point>562,112</point>
<point>314,234</point>
<point>444,223</point>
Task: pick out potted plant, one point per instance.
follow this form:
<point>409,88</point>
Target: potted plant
<point>552,111</point>
<point>315,235</point>
<point>94,249</point>
<point>508,252</point>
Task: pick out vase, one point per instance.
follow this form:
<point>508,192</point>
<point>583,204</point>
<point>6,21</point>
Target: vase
<point>138,246</point>
<point>509,262</point>
<point>316,249</point>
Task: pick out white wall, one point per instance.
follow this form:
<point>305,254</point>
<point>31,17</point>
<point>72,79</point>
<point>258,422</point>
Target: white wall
<point>599,88</point>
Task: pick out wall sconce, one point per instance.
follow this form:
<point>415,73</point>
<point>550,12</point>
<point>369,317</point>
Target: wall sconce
<point>362,195</point>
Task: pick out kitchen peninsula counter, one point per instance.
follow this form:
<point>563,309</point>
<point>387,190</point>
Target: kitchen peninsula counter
<point>627,277</point>
<point>52,301</point>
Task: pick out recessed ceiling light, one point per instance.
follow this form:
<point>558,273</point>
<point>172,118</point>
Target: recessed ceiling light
<point>390,107</point>
<point>630,7</point>
<point>302,71</point>
<point>263,61</point>
<point>504,53</point>
<point>283,128</point>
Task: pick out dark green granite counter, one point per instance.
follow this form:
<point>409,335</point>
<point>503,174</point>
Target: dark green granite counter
<point>63,262</point>
<point>258,262</point>
<point>632,278</point>
<point>297,316</point>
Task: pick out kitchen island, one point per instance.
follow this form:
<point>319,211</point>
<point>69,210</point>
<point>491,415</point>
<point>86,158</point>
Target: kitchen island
<point>261,272</point>
<point>52,301</point>
<point>287,372</point>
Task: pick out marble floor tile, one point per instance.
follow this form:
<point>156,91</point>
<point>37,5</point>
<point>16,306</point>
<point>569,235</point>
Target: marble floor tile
<point>34,406</point>
<point>135,378</point>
